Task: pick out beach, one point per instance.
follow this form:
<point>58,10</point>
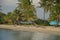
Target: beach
<point>32,28</point>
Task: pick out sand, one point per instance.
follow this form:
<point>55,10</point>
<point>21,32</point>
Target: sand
<point>31,28</point>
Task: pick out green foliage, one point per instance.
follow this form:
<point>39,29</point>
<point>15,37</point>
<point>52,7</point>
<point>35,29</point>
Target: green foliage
<point>7,18</point>
<point>46,6</point>
<point>2,17</point>
<point>41,22</point>
<point>26,11</point>
<point>53,6</point>
<point>11,17</point>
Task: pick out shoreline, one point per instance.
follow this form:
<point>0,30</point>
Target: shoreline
<point>31,28</point>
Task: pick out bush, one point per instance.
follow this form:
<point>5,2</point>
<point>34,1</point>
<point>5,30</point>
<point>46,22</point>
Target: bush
<point>41,22</point>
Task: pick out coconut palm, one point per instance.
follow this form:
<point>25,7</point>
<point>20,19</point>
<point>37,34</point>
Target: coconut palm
<point>49,5</point>
<point>26,10</point>
<point>55,12</point>
<point>44,4</point>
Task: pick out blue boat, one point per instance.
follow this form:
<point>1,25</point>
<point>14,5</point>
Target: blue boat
<point>54,23</point>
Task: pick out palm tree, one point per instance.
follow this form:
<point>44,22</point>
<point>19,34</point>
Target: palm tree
<point>26,10</point>
<point>44,6</point>
<point>55,12</point>
<point>48,6</point>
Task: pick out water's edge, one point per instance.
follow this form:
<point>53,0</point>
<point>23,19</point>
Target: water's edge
<point>31,28</point>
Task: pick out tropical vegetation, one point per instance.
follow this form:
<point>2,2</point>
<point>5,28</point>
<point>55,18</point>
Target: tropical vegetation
<point>25,13</point>
<point>2,18</point>
<point>52,6</point>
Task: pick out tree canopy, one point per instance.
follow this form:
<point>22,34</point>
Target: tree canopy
<point>26,10</point>
<point>2,17</point>
<point>53,6</point>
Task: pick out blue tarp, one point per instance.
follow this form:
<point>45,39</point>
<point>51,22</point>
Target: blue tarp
<point>54,23</point>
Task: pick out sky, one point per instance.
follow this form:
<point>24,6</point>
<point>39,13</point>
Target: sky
<point>10,5</point>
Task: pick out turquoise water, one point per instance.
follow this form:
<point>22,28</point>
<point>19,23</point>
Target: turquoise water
<point>20,35</point>
<point>54,23</point>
